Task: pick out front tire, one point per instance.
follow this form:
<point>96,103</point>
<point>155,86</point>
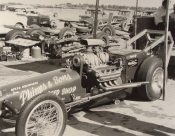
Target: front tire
<point>151,70</point>
<point>43,115</point>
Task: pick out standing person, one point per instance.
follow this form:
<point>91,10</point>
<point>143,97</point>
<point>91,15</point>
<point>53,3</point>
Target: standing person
<point>160,16</point>
<point>160,19</point>
<point>172,14</point>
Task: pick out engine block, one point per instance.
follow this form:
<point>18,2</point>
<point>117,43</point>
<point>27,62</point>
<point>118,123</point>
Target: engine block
<point>95,60</point>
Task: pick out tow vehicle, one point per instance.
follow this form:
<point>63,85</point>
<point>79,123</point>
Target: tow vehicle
<point>93,76</point>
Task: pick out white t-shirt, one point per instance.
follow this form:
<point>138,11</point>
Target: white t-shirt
<point>159,14</point>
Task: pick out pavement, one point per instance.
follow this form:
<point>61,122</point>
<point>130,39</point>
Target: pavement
<point>131,117</point>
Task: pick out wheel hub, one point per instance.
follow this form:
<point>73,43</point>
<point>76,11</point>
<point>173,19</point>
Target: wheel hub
<point>157,80</point>
<point>108,32</point>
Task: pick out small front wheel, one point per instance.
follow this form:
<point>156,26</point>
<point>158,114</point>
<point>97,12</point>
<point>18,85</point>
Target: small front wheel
<point>43,115</point>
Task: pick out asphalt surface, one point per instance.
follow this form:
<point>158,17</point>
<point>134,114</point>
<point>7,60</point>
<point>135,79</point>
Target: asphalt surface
<point>131,117</point>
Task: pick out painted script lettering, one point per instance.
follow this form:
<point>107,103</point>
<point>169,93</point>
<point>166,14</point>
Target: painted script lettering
<point>61,79</point>
<point>28,94</point>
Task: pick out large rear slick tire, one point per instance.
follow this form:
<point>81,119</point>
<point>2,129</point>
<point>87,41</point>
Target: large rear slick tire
<point>151,70</point>
<point>43,115</point>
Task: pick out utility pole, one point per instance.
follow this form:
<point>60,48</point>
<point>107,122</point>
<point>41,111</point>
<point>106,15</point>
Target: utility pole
<point>165,49</point>
<point>135,23</point>
<point>96,19</point>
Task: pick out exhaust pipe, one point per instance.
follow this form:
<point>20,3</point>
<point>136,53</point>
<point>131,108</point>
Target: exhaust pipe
<point>123,86</point>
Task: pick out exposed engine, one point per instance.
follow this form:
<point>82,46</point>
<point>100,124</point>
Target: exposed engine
<point>97,67</point>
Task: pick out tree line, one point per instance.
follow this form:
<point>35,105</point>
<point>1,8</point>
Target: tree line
<point>85,6</point>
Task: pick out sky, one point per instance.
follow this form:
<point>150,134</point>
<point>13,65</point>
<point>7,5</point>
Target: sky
<point>142,3</point>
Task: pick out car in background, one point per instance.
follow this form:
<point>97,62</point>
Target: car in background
<point>10,18</point>
<point>21,8</point>
<point>90,15</point>
<point>125,15</point>
<point>149,12</point>
<point>23,16</point>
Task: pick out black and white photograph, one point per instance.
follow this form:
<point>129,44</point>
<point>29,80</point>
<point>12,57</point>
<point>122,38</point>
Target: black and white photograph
<point>87,68</point>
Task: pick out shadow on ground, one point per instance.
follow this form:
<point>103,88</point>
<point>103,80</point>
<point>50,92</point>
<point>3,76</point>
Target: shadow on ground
<point>102,123</point>
<point>126,125</point>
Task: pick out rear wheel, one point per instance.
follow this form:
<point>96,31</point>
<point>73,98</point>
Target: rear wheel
<point>103,36</point>
<point>65,33</point>
<point>35,31</point>
<point>43,115</point>
<point>151,70</point>
<point>19,25</point>
<point>14,34</point>
<point>109,30</point>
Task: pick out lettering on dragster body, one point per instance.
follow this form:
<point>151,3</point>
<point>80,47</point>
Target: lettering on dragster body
<point>61,79</point>
<point>29,93</point>
<point>56,92</point>
<point>68,90</point>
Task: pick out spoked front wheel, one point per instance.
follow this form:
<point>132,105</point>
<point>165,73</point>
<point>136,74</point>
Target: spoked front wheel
<point>43,115</point>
